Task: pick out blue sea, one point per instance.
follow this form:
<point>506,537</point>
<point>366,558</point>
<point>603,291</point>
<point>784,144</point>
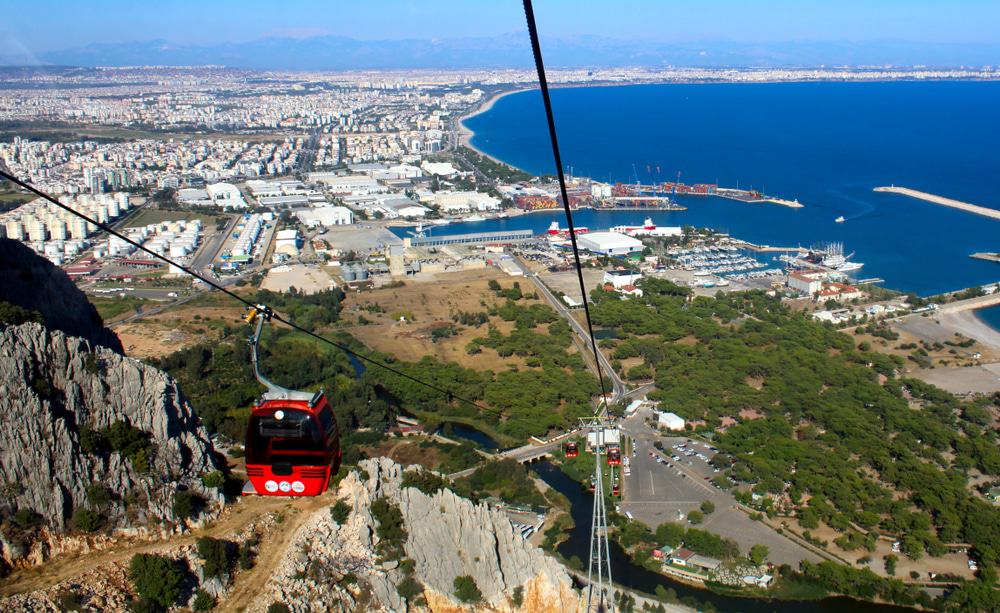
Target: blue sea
<point>825,144</point>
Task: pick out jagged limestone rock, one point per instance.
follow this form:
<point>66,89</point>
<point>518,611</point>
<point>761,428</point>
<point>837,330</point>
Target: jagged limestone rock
<point>448,536</point>
<point>51,385</point>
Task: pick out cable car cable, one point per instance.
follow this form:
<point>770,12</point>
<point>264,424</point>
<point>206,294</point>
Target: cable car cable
<point>232,294</point>
<point>543,84</point>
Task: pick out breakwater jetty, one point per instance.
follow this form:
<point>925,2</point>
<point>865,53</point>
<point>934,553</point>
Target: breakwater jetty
<point>955,204</point>
<point>744,195</point>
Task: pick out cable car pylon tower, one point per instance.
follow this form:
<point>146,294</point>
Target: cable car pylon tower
<point>600,589</point>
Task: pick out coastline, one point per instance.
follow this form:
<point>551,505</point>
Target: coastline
<point>973,326</point>
<point>465,135</point>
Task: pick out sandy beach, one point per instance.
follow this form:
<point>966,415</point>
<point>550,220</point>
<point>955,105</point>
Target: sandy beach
<point>968,324</point>
<point>465,134</point>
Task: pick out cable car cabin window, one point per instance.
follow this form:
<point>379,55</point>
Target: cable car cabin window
<point>327,422</point>
<point>295,439</point>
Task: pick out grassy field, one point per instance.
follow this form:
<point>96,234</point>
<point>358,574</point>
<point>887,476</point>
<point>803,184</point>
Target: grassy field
<point>11,197</point>
<point>428,306</point>
<point>151,216</point>
<point>114,308</point>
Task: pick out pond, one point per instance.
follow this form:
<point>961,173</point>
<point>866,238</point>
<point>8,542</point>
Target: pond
<point>455,430</point>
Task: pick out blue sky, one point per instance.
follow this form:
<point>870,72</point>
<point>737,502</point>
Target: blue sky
<point>42,25</point>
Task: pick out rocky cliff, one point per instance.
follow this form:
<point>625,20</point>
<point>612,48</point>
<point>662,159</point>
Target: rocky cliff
<point>32,282</point>
<point>332,566</point>
<point>330,554</point>
<point>83,427</point>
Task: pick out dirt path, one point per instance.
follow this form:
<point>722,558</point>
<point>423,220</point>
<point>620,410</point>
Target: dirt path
<point>66,567</point>
<point>272,548</point>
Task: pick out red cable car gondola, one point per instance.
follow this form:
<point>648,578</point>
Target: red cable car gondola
<point>293,441</point>
<point>616,489</point>
<point>572,450</point>
<point>614,456</point>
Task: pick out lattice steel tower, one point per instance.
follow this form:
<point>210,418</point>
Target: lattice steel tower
<point>600,590</point>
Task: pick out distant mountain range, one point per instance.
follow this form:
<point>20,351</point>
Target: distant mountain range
<point>509,51</point>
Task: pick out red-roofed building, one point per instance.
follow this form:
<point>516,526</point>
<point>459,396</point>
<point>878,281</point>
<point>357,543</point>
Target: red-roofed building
<point>681,557</point>
<point>838,291</point>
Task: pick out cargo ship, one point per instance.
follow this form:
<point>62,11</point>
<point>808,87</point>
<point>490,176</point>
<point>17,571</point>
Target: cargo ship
<point>555,232</point>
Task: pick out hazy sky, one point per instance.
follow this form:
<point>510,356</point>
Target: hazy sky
<point>42,25</point>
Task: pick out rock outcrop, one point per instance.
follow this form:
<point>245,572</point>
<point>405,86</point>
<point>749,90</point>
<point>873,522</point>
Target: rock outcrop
<point>54,386</point>
<point>32,282</point>
<point>330,566</point>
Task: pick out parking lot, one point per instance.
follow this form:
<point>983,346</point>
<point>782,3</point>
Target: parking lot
<point>668,489</point>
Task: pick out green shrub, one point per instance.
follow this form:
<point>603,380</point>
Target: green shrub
<point>186,504</point>
<point>15,315</point>
<point>26,518</point>
<point>203,601</point>
<point>214,479</point>
<point>93,442</point>
<point>217,555</point>
<point>68,600</point>
<point>409,588</point>
<point>424,480</point>
<point>87,520</point>
<point>91,364</point>
<point>518,596</point>
<point>42,387</point>
<point>278,607</point>
<point>340,511</point>
<point>99,495</point>
<point>466,590</point>
<point>391,532</point>
<point>156,578</point>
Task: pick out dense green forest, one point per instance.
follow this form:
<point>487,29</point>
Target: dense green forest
<point>840,433</point>
<point>554,379</point>
<point>218,379</point>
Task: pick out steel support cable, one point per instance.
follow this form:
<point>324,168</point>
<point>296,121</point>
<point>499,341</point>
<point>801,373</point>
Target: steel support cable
<point>449,394</point>
<point>543,84</point>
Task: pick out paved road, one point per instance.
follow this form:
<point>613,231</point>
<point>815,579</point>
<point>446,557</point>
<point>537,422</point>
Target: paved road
<point>209,252</point>
<point>655,492</point>
<point>619,389</point>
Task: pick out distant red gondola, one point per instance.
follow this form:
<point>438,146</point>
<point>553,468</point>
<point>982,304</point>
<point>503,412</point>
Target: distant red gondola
<point>572,450</point>
<point>614,456</point>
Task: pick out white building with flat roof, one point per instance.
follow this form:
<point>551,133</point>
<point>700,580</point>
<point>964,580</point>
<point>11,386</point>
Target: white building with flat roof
<point>226,195</point>
<point>348,184</point>
<point>609,243</point>
<point>670,421</point>
<point>440,169</point>
<point>326,216</point>
<point>621,278</point>
<point>465,202</point>
<point>287,242</point>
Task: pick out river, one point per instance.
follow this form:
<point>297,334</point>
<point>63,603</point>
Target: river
<point>644,580</point>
